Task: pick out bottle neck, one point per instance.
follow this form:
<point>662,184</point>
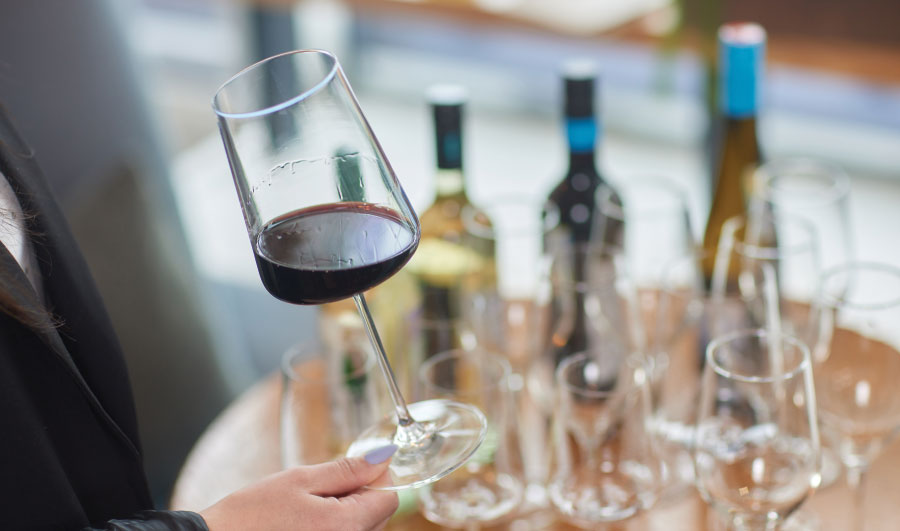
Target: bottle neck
<point>742,129</point>
<point>450,182</point>
<point>582,134</point>
<point>740,79</point>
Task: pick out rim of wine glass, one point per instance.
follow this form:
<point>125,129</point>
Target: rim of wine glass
<point>782,168</point>
<point>612,209</point>
<point>632,362</point>
<point>761,252</point>
<point>842,300</point>
<point>798,369</point>
<point>332,72</point>
<point>313,351</point>
<point>479,355</point>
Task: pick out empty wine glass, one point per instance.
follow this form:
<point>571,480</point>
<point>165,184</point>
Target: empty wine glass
<point>605,465</point>
<point>582,315</point>
<point>327,220</point>
<point>756,451</point>
<point>857,366</point>
<point>657,227</point>
<point>688,317</point>
<point>489,487</point>
<point>331,388</point>
<point>759,266</point>
<point>817,191</point>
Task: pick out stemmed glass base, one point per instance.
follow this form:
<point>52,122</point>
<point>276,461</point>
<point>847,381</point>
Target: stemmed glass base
<point>443,437</point>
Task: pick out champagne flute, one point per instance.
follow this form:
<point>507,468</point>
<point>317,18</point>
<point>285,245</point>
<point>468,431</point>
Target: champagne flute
<point>756,450</point>
<point>857,365</point>
<point>327,220</point>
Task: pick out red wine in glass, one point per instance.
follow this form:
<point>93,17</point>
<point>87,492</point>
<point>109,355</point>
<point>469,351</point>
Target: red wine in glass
<point>330,252</point>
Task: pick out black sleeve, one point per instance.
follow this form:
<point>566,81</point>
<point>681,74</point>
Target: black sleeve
<point>156,521</point>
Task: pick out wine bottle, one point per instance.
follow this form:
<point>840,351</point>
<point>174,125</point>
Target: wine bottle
<point>741,63</point>
<point>449,258</point>
<point>574,198</point>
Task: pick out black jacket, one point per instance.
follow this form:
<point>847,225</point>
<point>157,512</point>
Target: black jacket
<point>69,451</point>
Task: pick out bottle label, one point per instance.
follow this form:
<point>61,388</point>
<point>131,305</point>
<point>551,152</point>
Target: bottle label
<point>582,134</point>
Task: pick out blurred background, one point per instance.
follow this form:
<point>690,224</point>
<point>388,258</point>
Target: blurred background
<point>115,96</point>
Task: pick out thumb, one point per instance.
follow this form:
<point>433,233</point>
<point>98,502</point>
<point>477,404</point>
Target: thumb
<point>348,474</point>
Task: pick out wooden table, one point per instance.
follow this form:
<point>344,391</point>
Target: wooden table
<point>241,446</point>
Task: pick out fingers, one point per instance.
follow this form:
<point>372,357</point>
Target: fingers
<point>347,475</point>
<point>382,524</point>
<point>369,509</point>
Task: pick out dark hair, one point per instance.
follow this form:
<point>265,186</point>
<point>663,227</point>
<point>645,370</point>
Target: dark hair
<point>18,299</point>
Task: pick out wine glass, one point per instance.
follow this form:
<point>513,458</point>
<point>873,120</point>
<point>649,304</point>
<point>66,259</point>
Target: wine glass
<point>771,261</point>
<point>605,466</point>
<point>327,220</point>
<point>817,191</point>
<point>333,389</point>
<point>688,317</point>
<point>657,230</point>
<point>857,366</point>
<point>756,450</point>
<point>656,222</point>
<point>489,487</point>
<point>579,316</point>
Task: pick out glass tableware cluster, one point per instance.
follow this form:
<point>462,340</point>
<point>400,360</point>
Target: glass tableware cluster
<point>596,379</point>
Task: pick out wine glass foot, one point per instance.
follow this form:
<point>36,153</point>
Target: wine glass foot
<point>801,520</point>
<point>458,501</point>
<point>445,435</point>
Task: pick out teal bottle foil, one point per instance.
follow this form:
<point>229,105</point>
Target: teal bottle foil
<point>742,49</point>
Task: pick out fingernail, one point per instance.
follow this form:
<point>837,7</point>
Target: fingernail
<point>380,455</point>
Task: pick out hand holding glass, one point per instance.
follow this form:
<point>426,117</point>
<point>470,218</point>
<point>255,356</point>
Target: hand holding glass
<point>328,219</point>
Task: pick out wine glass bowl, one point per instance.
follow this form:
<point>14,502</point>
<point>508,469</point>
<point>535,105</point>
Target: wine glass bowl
<point>819,192</point>
<point>756,450</point>
<point>490,487</point>
<point>326,215</point>
<point>328,219</point>
<point>605,466</point>
<point>857,365</point>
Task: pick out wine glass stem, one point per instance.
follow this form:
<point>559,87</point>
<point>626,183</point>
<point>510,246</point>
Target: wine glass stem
<point>856,478</point>
<point>404,419</point>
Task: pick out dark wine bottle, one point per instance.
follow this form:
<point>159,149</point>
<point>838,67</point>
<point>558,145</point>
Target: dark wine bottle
<point>574,197</point>
<point>449,259</point>
<point>741,64</point>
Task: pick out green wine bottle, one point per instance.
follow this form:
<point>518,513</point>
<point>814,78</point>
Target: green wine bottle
<point>741,65</point>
